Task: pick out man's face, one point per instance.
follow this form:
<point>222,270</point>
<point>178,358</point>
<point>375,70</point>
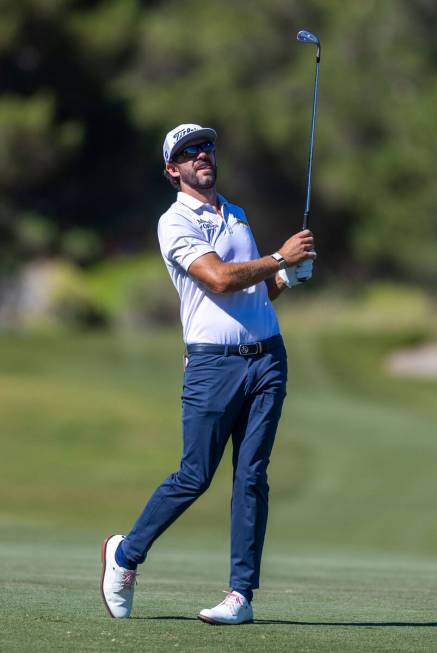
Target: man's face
<point>195,167</point>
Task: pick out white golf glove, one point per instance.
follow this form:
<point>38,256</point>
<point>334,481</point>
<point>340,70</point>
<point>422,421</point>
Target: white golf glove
<point>303,271</point>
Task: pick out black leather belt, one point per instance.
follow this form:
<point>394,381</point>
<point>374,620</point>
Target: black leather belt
<point>251,349</point>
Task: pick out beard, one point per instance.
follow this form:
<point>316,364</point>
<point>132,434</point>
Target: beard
<point>199,180</point>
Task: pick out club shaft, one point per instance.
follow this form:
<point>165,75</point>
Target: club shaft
<point>310,158</point>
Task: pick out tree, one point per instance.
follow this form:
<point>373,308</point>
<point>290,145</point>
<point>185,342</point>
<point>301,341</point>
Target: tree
<point>91,87</point>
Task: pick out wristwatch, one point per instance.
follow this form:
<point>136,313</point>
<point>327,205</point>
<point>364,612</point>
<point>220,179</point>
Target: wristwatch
<point>281,260</point>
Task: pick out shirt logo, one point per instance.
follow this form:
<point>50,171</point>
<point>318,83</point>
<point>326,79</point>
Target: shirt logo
<point>237,221</point>
<point>206,225</point>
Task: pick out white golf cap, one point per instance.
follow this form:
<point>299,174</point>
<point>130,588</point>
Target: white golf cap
<point>183,134</point>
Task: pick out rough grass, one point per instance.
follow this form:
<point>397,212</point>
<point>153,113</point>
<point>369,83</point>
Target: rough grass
<point>91,424</point>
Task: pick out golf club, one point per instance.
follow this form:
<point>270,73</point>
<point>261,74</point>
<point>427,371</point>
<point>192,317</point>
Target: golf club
<point>307,37</point>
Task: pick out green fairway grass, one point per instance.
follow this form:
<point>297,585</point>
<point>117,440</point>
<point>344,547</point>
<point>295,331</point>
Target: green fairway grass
<point>50,600</point>
<point>90,424</point>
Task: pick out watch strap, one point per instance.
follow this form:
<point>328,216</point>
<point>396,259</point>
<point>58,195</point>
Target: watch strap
<point>280,259</point>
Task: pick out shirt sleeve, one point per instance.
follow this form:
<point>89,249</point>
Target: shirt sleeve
<point>181,241</point>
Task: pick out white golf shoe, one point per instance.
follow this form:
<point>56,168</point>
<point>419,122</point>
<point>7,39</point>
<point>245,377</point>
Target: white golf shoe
<point>117,585</point>
<point>234,610</point>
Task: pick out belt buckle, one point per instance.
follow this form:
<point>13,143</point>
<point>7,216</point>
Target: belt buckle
<point>250,350</point>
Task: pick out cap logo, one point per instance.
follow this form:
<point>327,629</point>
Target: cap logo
<point>183,132</point>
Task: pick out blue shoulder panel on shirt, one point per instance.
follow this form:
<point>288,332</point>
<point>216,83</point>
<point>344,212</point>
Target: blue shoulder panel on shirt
<point>236,212</point>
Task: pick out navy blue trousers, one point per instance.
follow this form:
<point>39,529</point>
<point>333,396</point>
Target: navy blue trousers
<point>223,396</point>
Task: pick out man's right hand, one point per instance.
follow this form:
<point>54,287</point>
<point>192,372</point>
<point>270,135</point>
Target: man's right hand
<point>298,248</point>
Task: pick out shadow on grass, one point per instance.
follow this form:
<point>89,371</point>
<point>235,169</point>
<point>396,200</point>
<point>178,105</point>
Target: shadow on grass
<point>363,624</point>
<point>170,618</point>
<point>283,622</point>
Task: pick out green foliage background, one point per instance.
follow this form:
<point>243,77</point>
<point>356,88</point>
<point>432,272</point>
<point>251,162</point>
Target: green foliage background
<point>89,88</point>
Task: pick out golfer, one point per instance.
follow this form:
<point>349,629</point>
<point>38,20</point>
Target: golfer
<point>235,373</point>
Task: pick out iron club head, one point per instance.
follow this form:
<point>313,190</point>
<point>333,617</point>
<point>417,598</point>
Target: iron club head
<point>307,37</point>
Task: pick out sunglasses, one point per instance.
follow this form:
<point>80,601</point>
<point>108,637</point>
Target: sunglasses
<point>191,151</point>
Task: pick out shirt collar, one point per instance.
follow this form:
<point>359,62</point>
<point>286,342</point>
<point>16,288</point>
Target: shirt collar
<point>196,204</point>
<point>190,201</point>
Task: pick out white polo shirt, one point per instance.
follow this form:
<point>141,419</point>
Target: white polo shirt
<point>190,229</point>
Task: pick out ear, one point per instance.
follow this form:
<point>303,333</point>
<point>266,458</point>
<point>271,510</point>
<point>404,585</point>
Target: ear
<point>172,169</point>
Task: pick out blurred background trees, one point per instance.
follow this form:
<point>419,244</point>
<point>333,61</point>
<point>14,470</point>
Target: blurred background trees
<point>89,88</point>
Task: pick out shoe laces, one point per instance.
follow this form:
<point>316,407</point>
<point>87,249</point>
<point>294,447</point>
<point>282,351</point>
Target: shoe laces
<point>128,579</point>
<point>233,601</point>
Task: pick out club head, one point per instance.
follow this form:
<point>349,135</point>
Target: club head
<point>307,37</point>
